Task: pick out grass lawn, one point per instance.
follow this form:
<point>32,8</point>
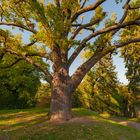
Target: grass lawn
<point>33,124</point>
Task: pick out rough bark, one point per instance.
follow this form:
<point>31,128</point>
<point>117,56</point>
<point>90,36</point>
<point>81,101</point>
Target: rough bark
<point>60,100</point>
<point>60,109</point>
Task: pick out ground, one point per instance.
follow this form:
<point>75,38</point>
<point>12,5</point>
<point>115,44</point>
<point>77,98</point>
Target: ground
<point>33,124</point>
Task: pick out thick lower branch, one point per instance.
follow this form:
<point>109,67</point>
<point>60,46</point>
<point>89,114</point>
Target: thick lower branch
<point>75,54</point>
<point>81,71</point>
<point>36,64</point>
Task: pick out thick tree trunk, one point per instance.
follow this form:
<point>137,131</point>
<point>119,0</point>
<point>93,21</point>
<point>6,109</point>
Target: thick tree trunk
<point>60,109</point>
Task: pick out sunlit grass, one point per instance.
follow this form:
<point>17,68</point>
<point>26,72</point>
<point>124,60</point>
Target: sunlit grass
<point>33,124</point>
<point>105,115</point>
<point>84,112</point>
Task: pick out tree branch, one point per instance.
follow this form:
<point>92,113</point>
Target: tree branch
<point>127,42</point>
<point>86,66</point>
<point>75,54</point>
<point>20,26</point>
<point>14,63</point>
<point>30,44</point>
<point>83,4</point>
<point>44,70</point>
<point>57,2</point>
<point>126,7</point>
<point>36,64</point>
<point>126,4</point>
<point>134,8</point>
<point>76,25</point>
<point>111,28</point>
<point>99,32</point>
<point>84,26</point>
<point>80,47</point>
<point>2,55</point>
<point>86,9</point>
<point>45,55</point>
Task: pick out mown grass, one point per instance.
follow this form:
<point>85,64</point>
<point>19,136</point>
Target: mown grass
<point>33,124</point>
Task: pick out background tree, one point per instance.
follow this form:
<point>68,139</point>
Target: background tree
<point>101,91</point>
<point>43,95</point>
<point>132,62</point>
<point>100,87</point>
<point>131,55</point>
<point>126,101</point>
<point>54,29</point>
<point>19,83</point>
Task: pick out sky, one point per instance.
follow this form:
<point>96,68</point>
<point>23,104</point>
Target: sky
<point>109,6</point>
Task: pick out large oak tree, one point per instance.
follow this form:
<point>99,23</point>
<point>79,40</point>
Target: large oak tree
<point>55,29</point>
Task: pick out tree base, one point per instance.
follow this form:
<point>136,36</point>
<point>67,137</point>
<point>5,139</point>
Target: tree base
<point>60,117</point>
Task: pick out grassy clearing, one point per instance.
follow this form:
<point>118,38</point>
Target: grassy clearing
<point>33,124</point>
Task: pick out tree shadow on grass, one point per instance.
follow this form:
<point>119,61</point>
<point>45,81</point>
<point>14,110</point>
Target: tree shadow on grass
<point>35,126</point>
<point>19,121</point>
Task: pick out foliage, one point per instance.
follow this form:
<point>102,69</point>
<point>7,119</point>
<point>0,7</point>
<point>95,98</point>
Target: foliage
<point>101,91</point>
<point>43,95</point>
<point>77,100</point>
<point>131,56</point>
<point>19,84</point>
<point>126,102</point>
<point>99,88</point>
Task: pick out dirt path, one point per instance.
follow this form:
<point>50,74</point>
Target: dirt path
<point>127,123</point>
<point>78,120</point>
<point>89,121</point>
<point>85,120</point>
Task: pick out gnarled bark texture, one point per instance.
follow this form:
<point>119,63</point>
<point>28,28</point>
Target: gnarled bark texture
<point>61,88</point>
<point>63,85</point>
<point>60,100</point>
